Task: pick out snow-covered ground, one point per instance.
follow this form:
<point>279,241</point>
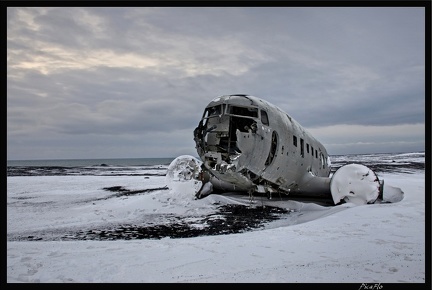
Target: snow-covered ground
<point>375,243</point>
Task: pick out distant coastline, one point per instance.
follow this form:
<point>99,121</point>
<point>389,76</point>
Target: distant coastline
<point>145,161</point>
<point>93,162</point>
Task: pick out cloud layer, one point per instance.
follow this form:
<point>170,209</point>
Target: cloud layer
<point>133,82</point>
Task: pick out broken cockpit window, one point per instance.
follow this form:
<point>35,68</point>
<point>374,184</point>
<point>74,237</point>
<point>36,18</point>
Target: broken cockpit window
<point>243,111</point>
<point>213,111</point>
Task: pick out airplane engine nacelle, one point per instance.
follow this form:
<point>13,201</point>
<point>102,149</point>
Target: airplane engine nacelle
<point>355,183</point>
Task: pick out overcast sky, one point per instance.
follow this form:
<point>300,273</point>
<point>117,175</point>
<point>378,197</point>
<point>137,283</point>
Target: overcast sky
<point>134,82</point>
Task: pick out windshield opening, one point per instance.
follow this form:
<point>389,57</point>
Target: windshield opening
<point>243,111</point>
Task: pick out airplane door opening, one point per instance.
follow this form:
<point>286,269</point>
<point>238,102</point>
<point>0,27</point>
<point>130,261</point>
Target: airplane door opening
<point>273,147</point>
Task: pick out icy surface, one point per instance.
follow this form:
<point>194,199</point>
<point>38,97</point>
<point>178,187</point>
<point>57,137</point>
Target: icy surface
<point>52,222</point>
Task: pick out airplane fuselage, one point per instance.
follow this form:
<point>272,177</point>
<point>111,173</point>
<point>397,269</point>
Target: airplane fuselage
<point>249,144</point>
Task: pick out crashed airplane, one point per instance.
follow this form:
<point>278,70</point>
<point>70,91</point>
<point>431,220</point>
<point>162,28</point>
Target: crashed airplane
<point>250,145</point>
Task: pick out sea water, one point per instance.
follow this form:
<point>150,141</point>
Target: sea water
<point>380,162</point>
<point>93,162</point>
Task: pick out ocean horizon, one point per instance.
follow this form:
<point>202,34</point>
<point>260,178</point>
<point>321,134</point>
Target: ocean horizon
<point>158,166</point>
<point>93,162</point>
<point>146,161</point>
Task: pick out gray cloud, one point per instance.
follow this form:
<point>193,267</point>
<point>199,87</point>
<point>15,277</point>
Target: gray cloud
<point>133,82</point>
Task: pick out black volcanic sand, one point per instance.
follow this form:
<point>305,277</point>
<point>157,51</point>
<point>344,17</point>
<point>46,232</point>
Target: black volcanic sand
<point>228,219</point>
